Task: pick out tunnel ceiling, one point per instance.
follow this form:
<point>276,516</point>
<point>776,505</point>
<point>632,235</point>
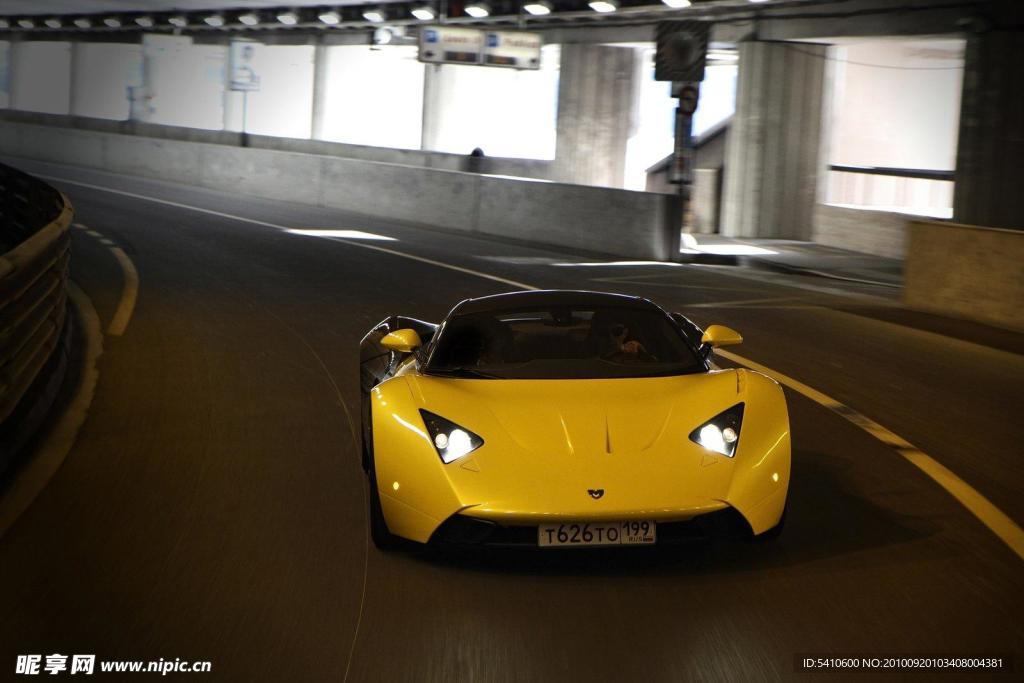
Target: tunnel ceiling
<point>96,6</point>
<point>85,7</point>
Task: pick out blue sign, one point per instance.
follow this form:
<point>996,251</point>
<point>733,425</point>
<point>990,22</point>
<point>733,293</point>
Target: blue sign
<point>493,40</point>
<point>430,35</point>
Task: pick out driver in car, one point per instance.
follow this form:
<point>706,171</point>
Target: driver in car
<point>621,346</point>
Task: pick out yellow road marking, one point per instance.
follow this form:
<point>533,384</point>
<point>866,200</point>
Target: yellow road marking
<point>39,469</point>
<point>129,294</point>
<point>987,513</point>
<point>130,289</point>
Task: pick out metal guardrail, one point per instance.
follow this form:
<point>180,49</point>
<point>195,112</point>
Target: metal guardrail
<point>34,232</point>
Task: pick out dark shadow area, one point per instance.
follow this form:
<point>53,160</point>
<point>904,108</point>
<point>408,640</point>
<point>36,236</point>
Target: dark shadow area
<point>964,330</point>
<point>826,518</point>
<point>44,404</point>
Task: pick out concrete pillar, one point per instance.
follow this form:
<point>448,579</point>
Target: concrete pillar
<point>772,158</point>
<point>319,90</point>
<point>597,93</point>
<point>990,149</point>
<point>437,90</point>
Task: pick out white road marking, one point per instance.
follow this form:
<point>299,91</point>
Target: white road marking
<point>984,510</point>
<point>285,228</point>
<point>58,441</point>
<point>344,234</point>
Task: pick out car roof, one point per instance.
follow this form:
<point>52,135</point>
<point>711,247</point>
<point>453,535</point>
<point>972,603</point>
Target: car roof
<point>550,297</point>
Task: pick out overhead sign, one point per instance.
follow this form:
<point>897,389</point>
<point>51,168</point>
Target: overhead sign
<point>513,49</point>
<point>453,45</point>
<point>241,64</point>
<point>682,49</point>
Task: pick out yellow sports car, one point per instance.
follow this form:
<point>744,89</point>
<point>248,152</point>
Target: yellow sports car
<point>565,419</point>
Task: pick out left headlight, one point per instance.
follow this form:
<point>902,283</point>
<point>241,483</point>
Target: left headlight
<point>721,433</point>
<point>450,440</point>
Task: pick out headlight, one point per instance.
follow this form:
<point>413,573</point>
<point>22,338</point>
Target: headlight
<point>450,440</point>
<point>721,433</point>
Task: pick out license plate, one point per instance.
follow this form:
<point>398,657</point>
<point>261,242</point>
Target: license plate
<point>639,532</point>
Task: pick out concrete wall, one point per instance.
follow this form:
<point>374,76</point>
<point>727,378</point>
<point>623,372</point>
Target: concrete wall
<point>883,233</point>
<point>966,271</point>
<point>588,219</point>
<point>524,168</point>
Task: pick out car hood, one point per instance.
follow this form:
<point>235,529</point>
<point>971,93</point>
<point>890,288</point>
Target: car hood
<point>561,419</point>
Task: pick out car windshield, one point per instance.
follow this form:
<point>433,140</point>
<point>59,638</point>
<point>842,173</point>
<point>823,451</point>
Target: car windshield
<point>562,343</point>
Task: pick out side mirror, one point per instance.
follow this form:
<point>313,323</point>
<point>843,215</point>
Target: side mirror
<point>720,335</point>
<point>402,341</point>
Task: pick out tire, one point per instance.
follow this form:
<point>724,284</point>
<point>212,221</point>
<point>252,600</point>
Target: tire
<point>379,532</point>
<point>365,433</point>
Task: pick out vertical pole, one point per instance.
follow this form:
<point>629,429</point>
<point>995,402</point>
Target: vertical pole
<point>245,113</point>
<point>681,172</point>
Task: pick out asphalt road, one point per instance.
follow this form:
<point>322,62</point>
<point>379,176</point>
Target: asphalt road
<point>213,507</point>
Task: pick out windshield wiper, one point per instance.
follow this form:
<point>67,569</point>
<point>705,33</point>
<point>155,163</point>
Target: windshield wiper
<point>461,371</point>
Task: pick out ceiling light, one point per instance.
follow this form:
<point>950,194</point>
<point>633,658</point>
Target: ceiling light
<point>83,22</point>
<point>478,10</point>
<point>179,21</point>
<point>373,15</point>
<point>214,20</point>
<point>758,0</point>
<point>677,4</point>
<point>26,23</point>
<point>424,13</point>
<point>538,9</point>
<point>53,23</point>
<point>4,23</point>
<point>249,18</point>
<point>604,6</point>
<point>288,18</point>
<point>144,22</point>
<point>331,18</point>
<point>112,22</point>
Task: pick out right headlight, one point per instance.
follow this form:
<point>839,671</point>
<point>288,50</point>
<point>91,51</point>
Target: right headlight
<point>450,440</point>
<point>721,433</point>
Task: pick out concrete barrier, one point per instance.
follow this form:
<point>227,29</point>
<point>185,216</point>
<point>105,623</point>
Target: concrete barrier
<point>525,168</point>
<point>966,271</point>
<point>882,233</point>
<point>621,223</point>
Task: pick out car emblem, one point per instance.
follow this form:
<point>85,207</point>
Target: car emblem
<point>595,493</point>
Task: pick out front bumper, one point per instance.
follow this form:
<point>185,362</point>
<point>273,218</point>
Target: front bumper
<point>463,530</point>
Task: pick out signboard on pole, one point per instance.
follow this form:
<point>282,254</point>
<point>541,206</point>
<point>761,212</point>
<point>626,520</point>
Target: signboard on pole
<point>517,50</point>
<point>444,45</point>
<point>456,45</point>
<point>241,65</point>
<point>682,50</point>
